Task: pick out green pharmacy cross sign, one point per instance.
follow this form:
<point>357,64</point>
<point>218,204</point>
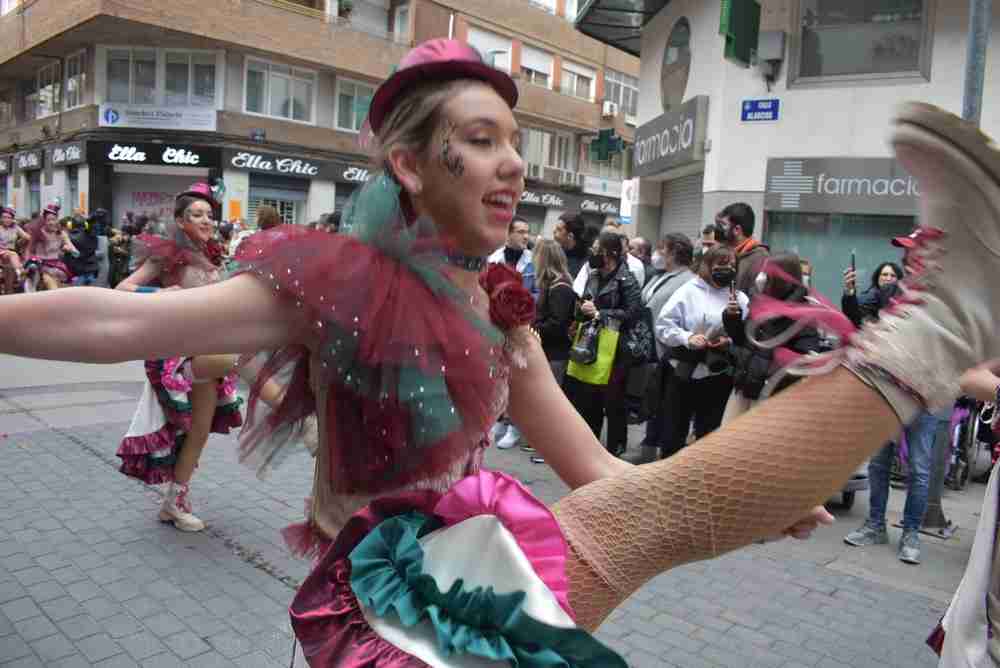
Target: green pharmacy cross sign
<point>605,146</point>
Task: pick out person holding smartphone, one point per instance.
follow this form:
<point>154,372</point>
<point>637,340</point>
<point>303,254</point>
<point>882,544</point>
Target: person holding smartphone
<point>883,287</point>
<point>690,325</point>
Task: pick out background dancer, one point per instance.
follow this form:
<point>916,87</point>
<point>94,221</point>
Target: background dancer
<point>49,242</point>
<point>185,398</point>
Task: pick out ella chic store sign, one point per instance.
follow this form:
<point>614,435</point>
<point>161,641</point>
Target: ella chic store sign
<point>570,201</point>
<point>166,154</point>
<point>28,160</point>
<point>72,153</point>
<point>294,166</point>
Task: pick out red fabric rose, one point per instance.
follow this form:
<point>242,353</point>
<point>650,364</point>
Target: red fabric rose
<point>511,305</point>
<point>214,251</point>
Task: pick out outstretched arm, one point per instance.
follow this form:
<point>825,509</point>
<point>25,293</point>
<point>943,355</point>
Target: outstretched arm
<point>108,326</point>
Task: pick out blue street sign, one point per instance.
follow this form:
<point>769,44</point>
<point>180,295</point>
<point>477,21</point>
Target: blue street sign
<point>759,110</point>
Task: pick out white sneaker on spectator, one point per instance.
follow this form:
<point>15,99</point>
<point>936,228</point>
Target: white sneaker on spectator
<point>510,439</point>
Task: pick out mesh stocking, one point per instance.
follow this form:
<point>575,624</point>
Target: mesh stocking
<point>749,480</point>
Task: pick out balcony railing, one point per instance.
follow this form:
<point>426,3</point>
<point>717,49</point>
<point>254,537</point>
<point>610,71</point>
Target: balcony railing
<point>342,22</point>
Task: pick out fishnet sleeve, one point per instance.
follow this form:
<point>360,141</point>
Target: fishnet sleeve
<point>749,480</point>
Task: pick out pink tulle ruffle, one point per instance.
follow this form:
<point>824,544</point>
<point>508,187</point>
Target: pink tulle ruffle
<point>174,376</point>
<point>532,524</point>
<point>325,613</point>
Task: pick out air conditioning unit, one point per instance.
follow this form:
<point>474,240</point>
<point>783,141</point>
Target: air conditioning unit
<point>535,171</point>
<point>610,109</point>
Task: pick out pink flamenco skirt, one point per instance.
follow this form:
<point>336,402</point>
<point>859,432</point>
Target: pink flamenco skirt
<point>163,418</point>
<point>472,577</point>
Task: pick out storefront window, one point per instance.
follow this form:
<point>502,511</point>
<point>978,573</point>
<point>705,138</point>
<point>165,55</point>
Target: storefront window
<point>828,239</point>
<point>280,91</point>
<point>353,100</point>
<point>73,186</point>
<point>676,65</point>
<point>34,181</point>
<point>854,38</point>
<point>288,210</point>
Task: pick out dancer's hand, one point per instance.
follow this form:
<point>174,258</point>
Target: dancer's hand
<point>803,529</point>
<point>981,382</point>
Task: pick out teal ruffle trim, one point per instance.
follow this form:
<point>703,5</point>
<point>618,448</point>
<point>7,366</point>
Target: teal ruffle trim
<point>387,576</point>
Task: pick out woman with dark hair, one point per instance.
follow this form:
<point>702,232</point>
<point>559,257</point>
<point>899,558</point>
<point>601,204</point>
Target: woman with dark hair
<point>614,298</point>
<point>690,325</point>
<point>185,398</point>
<point>866,306</point>
<point>754,365</point>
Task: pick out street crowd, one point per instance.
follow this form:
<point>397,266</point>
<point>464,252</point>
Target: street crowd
<point>657,334</point>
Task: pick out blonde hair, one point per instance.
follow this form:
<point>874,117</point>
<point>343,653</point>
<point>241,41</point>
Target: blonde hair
<point>414,119</point>
<point>267,217</point>
<point>550,264</point>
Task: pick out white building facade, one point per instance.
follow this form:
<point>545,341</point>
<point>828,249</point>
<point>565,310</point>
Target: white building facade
<point>808,150</point>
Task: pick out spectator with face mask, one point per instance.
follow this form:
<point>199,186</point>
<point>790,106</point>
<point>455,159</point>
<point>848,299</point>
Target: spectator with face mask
<point>690,325</point>
<point>634,264</point>
<point>866,306</point>
<point>613,298</point>
<point>676,256</point>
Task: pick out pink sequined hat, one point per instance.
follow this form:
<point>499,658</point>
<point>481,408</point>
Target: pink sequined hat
<point>8,209</point>
<point>200,190</point>
<point>441,60</point>
<point>51,209</point>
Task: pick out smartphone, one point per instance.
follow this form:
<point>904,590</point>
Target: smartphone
<point>854,266</point>
<point>732,291</point>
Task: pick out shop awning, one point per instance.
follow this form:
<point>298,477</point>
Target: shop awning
<point>618,23</point>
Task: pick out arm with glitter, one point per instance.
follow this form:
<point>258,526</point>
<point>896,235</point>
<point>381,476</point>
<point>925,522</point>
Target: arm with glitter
<point>239,315</point>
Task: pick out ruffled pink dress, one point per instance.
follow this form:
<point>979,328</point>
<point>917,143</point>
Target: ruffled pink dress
<point>163,417</point>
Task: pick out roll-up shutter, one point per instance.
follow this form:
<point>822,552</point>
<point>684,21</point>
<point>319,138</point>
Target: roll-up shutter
<point>682,203</point>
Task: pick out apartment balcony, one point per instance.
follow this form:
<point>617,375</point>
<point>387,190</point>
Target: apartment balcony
<point>298,30</point>
<point>553,107</point>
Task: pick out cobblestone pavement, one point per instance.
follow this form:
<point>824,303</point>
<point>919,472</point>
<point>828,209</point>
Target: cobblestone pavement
<point>88,577</point>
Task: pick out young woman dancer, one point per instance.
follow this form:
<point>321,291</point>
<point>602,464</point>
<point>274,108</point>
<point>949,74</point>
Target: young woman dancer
<point>49,242</point>
<point>10,235</point>
<point>185,398</point>
<point>406,354</point>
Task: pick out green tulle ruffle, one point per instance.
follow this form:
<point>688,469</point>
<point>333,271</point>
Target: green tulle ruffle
<point>387,577</point>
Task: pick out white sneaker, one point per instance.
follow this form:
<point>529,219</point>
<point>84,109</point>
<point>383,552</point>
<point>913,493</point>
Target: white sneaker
<point>945,321</point>
<point>510,439</point>
<point>499,430</point>
<point>176,509</point>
